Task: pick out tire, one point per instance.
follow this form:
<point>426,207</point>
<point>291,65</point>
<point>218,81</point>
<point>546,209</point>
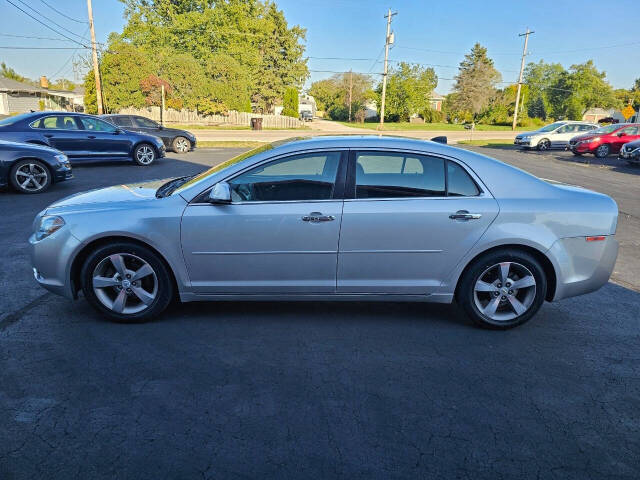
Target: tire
<point>181,145</point>
<point>30,176</point>
<point>543,145</point>
<point>144,154</point>
<point>127,299</point>
<point>602,151</point>
<point>501,308</point>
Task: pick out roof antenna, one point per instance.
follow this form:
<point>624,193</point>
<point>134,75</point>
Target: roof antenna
<point>441,139</point>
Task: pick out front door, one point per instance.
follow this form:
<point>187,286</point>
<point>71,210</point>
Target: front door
<point>408,223</point>
<point>102,139</point>
<point>626,135</point>
<point>561,137</point>
<point>279,234</point>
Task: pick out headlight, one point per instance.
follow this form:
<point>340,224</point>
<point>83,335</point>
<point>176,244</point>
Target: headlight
<point>526,137</point>
<point>62,158</point>
<point>49,225</point>
<point>596,139</point>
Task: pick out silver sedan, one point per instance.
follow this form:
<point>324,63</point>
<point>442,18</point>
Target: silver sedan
<point>332,218</point>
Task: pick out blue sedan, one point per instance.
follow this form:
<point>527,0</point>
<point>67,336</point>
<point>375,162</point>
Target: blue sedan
<point>82,137</point>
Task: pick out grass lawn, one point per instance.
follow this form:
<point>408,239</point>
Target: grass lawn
<point>497,142</point>
<point>229,144</point>
<point>223,127</point>
<point>430,126</point>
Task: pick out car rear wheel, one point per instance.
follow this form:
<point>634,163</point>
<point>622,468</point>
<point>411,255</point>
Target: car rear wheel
<point>181,145</point>
<point>502,289</point>
<point>30,176</point>
<point>126,282</point>
<point>603,151</point>
<point>544,144</point>
<point>144,154</point>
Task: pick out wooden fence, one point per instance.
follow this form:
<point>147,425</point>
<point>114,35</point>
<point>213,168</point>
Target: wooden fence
<point>231,118</point>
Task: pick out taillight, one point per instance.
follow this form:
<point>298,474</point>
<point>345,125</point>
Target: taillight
<point>598,238</point>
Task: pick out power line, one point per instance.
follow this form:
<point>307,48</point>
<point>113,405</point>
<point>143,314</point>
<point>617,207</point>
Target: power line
<point>32,37</point>
<point>70,57</point>
<point>47,18</point>
<point>445,52</point>
<point>9,47</point>
<point>44,24</point>
<point>63,14</point>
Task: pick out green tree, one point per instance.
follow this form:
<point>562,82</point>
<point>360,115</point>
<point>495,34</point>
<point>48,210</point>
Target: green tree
<point>290,102</point>
<point>8,72</point>
<point>409,89</point>
<point>578,89</point>
<point>326,93</point>
<point>540,78</point>
<point>332,94</point>
<point>269,53</point>
<point>475,82</point>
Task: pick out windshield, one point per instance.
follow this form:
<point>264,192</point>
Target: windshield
<point>551,127</point>
<point>605,130</point>
<point>14,119</point>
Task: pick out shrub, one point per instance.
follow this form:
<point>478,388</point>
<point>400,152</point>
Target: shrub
<point>290,103</point>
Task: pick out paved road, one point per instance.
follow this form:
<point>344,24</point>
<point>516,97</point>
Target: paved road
<point>335,390</point>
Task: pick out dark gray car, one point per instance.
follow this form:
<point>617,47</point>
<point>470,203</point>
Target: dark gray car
<point>179,141</point>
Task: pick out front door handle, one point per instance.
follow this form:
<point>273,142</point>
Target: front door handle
<point>91,136</point>
<point>465,215</point>
<point>316,217</point>
<point>48,135</point>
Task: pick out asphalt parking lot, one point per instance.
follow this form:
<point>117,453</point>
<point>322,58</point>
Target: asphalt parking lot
<point>320,390</point>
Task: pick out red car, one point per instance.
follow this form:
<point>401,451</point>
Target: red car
<point>605,140</point>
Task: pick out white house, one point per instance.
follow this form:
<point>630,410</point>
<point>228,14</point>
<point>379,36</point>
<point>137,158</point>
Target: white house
<point>19,97</point>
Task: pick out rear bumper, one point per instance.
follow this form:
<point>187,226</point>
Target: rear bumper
<point>581,266</point>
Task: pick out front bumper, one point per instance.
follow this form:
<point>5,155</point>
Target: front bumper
<point>63,173</point>
<point>582,266</point>
<point>522,142</point>
<point>162,150</point>
<point>633,157</point>
<point>51,261</point>
<point>584,147</point>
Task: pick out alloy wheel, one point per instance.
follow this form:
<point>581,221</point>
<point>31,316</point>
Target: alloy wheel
<point>505,291</point>
<point>31,177</point>
<point>544,145</point>
<point>145,154</point>
<point>182,145</point>
<point>125,283</point>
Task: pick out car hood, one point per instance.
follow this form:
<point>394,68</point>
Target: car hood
<point>533,132</point>
<point>586,136</point>
<point>632,145</point>
<point>111,196</point>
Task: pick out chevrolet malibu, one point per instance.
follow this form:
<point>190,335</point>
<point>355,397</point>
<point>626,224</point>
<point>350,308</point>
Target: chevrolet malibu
<point>332,218</point>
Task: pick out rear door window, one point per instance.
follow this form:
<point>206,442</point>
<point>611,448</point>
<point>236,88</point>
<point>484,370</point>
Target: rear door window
<point>56,122</point>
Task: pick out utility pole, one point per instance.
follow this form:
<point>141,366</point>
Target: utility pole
<point>94,51</point>
<point>388,41</point>
<point>350,91</point>
<point>162,106</point>
<point>524,54</point>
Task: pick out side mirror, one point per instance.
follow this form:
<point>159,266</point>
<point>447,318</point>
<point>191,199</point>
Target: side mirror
<point>117,131</point>
<point>622,134</point>
<point>220,193</point>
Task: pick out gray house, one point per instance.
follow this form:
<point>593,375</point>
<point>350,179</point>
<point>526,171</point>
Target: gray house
<point>19,97</point>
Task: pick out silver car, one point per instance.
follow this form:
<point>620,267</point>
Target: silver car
<point>554,135</point>
<point>332,218</point>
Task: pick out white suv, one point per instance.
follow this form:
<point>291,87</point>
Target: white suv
<point>554,135</point>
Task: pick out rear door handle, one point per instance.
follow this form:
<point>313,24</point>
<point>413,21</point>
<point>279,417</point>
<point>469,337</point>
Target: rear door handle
<point>317,217</point>
<point>465,215</point>
<point>48,135</point>
<point>91,136</point>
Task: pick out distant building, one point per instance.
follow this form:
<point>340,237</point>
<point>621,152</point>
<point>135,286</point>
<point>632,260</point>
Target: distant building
<point>435,101</point>
<point>20,97</point>
<point>594,115</point>
<point>306,103</point>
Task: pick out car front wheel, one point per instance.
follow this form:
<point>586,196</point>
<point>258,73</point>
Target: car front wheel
<point>126,282</point>
<point>603,151</point>
<point>30,176</point>
<point>144,154</point>
<point>502,289</point>
<point>543,145</point>
<point>181,145</point>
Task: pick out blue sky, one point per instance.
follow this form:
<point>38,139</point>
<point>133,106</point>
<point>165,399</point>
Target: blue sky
<point>426,32</point>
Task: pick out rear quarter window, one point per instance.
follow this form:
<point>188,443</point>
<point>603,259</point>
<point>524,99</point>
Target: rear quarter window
<point>459,182</point>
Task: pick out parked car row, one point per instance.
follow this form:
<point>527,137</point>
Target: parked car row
<point>583,137</point>
<point>37,149</point>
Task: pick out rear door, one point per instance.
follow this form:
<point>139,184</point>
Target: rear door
<point>62,132</point>
<point>407,220</point>
<point>145,125</point>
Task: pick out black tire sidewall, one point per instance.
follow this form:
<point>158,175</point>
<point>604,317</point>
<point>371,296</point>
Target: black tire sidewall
<point>14,182</point>
<point>175,142</point>
<point>541,142</point>
<point>465,294</point>
<point>165,284</point>
<point>135,154</point>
